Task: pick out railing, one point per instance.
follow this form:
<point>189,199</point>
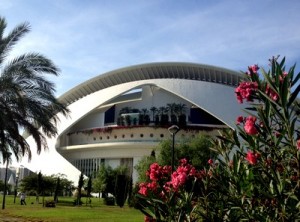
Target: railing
<point>127,134</point>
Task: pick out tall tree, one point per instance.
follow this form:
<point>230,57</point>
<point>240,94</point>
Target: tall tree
<point>181,109</point>
<point>154,110</point>
<point>89,190</point>
<point>172,107</point>
<point>27,100</point>
<point>57,189</point>
<point>121,189</point>
<point>79,188</point>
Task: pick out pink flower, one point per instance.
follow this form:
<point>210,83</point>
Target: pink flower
<point>183,161</point>
<point>155,172</point>
<point>282,77</point>
<point>298,144</point>
<point>178,179</point>
<point>239,120</point>
<point>246,91</point>
<point>167,186</point>
<point>166,170</point>
<point>143,189</point>
<point>210,161</point>
<point>152,186</point>
<point>253,69</point>
<point>251,158</point>
<point>271,93</point>
<point>193,172</point>
<point>249,126</point>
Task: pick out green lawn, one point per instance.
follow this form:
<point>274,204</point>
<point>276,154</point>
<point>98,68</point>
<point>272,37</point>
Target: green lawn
<point>65,211</point>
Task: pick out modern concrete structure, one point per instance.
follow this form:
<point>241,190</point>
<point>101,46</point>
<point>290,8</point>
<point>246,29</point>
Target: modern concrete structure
<point>111,120</point>
<point>13,172</point>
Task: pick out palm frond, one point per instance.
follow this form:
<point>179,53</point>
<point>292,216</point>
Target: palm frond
<point>12,38</point>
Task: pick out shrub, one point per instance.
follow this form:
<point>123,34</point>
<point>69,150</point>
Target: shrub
<point>50,203</point>
<point>75,202</point>
<point>110,201</point>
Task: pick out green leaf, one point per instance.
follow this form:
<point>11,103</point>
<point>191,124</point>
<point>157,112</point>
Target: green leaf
<point>268,80</point>
<point>293,96</point>
<point>236,139</point>
<point>295,81</point>
<point>251,108</point>
<point>284,91</point>
<point>282,62</point>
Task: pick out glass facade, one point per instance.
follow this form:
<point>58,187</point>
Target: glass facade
<point>90,166</point>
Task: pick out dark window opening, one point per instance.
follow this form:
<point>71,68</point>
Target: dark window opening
<point>199,116</point>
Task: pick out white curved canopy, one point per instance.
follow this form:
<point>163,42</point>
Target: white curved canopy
<point>167,70</point>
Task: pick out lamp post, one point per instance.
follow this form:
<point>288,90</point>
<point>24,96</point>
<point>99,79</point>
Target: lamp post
<point>173,130</point>
<point>16,185</point>
<point>5,179</point>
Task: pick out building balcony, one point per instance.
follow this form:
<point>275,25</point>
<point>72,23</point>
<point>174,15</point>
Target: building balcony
<point>130,134</point>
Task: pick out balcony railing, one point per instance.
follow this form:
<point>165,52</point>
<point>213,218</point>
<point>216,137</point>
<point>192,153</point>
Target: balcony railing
<point>119,134</point>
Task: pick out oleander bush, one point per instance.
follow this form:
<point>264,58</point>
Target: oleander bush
<point>256,174</point>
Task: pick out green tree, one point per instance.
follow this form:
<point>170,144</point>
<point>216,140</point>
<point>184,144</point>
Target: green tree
<point>145,116</point>
<point>143,165</point>
<point>121,189</point>
<point>27,100</point>
<point>1,185</point>
<point>38,184</point>
<point>101,183</point>
<point>65,185</point>
<point>153,110</point>
<point>32,185</point>
<point>105,181</point>
<point>40,187</point>
<point>89,187</point>
<point>196,150</point>
<point>164,118</point>
<point>172,107</point>
<point>89,190</point>
<point>57,189</point>
<point>79,188</point>
<point>181,110</point>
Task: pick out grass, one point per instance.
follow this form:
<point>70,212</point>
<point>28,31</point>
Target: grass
<point>65,211</point>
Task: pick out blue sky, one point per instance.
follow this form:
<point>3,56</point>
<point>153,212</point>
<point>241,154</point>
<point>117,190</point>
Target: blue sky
<point>88,38</point>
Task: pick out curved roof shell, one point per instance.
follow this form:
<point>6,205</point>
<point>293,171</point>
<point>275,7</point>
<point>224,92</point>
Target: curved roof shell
<point>166,70</point>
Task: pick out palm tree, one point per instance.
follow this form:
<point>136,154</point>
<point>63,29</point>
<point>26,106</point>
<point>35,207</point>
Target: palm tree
<point>172,109</point>
<point>145,116</point>
<point>145,111</point>
<point>181,109</point>
<point>164,118</point>
<point>27,100</point>
<point>154,110</point>
<point>125,109</point>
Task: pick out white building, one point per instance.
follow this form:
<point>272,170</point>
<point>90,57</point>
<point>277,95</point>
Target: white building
<point>97,131</point>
